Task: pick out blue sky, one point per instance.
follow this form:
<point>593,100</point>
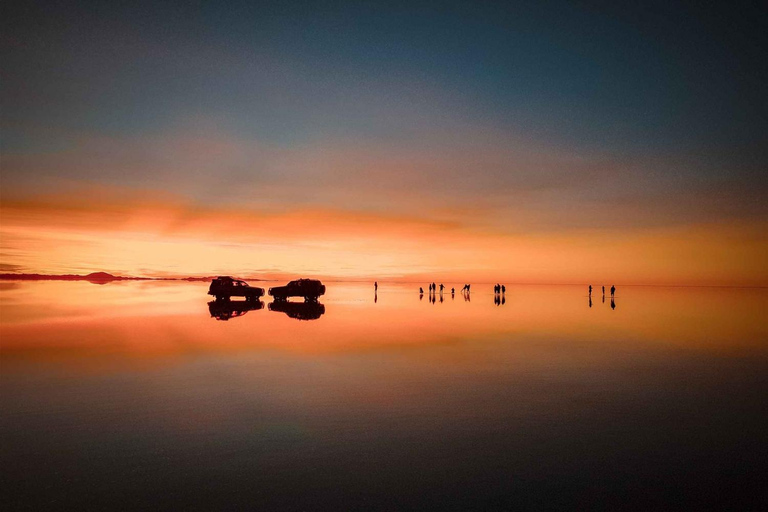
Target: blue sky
<point>518,116</point>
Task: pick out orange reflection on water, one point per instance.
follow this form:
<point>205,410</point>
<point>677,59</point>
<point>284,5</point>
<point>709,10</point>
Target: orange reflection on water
<point>148,322</point>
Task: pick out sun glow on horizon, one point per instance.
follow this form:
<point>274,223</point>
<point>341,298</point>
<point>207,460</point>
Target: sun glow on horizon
<point>136,237</point>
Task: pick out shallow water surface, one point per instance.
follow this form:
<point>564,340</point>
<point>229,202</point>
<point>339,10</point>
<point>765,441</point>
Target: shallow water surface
<point>144,395</point>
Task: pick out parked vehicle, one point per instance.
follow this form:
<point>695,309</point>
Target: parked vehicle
<point>299,310</point>
<point>310,289</point>
<point>226,309</point>
<point>224,287</point>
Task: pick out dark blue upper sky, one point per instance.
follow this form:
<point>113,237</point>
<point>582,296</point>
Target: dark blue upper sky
<point>677,86</point>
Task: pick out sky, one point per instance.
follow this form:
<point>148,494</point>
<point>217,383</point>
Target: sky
<point>528,142</point>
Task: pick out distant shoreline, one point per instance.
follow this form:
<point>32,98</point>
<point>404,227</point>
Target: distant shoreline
<point>100,277</point>
<point>104,277</point>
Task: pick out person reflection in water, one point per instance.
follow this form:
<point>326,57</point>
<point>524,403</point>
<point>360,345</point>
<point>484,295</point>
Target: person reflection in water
<point>590,301</point>
<point>497,299</point>
<point>613,304</point>
<point>375,297</point>
<point>453,292</point>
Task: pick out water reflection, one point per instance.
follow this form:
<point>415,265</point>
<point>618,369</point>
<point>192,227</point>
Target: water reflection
<point>226,309</point>
<point>309,310</point>
<point>109,389</point>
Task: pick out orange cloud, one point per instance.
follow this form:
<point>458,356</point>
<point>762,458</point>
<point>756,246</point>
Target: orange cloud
<point>155,234</point>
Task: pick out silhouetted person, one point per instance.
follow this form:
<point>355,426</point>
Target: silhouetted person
<point>421,290</point>
<point>375,286</point>
<point>590,290</point>
<point>434,287</point>
<point>613,290</point>
<point>603,290</point>
<point>613,304</point>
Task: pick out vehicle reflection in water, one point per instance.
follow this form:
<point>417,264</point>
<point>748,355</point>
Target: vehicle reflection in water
<point>226,309</point>
<point>309,310</point>
<point>106,388</point>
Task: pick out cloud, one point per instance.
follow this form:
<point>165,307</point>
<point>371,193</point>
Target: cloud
<point>161,234</point>
<point>468,174</point>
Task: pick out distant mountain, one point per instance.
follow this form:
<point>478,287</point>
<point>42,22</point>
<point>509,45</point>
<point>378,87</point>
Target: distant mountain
<point>94,277</point>
<point>100,276</point>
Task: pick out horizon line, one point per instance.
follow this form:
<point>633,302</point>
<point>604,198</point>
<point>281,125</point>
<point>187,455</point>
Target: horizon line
<point>24,276</point>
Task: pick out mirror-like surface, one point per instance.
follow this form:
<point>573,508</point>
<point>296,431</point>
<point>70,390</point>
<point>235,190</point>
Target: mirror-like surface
<point>151,394</point>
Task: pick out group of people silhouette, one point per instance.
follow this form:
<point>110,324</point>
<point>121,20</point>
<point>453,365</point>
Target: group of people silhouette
<point>613,293</point>
<point>613,290</point>
<point>433,287</point>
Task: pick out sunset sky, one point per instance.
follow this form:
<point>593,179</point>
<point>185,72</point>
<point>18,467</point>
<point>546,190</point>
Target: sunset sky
<point>529,142</point>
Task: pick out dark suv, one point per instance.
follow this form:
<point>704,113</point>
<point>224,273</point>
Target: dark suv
<point>310,289</point>
<point>224,287</point>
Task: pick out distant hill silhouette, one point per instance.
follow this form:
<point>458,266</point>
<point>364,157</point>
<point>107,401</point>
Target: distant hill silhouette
<point>100,277</point>
<point>93,277</point>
